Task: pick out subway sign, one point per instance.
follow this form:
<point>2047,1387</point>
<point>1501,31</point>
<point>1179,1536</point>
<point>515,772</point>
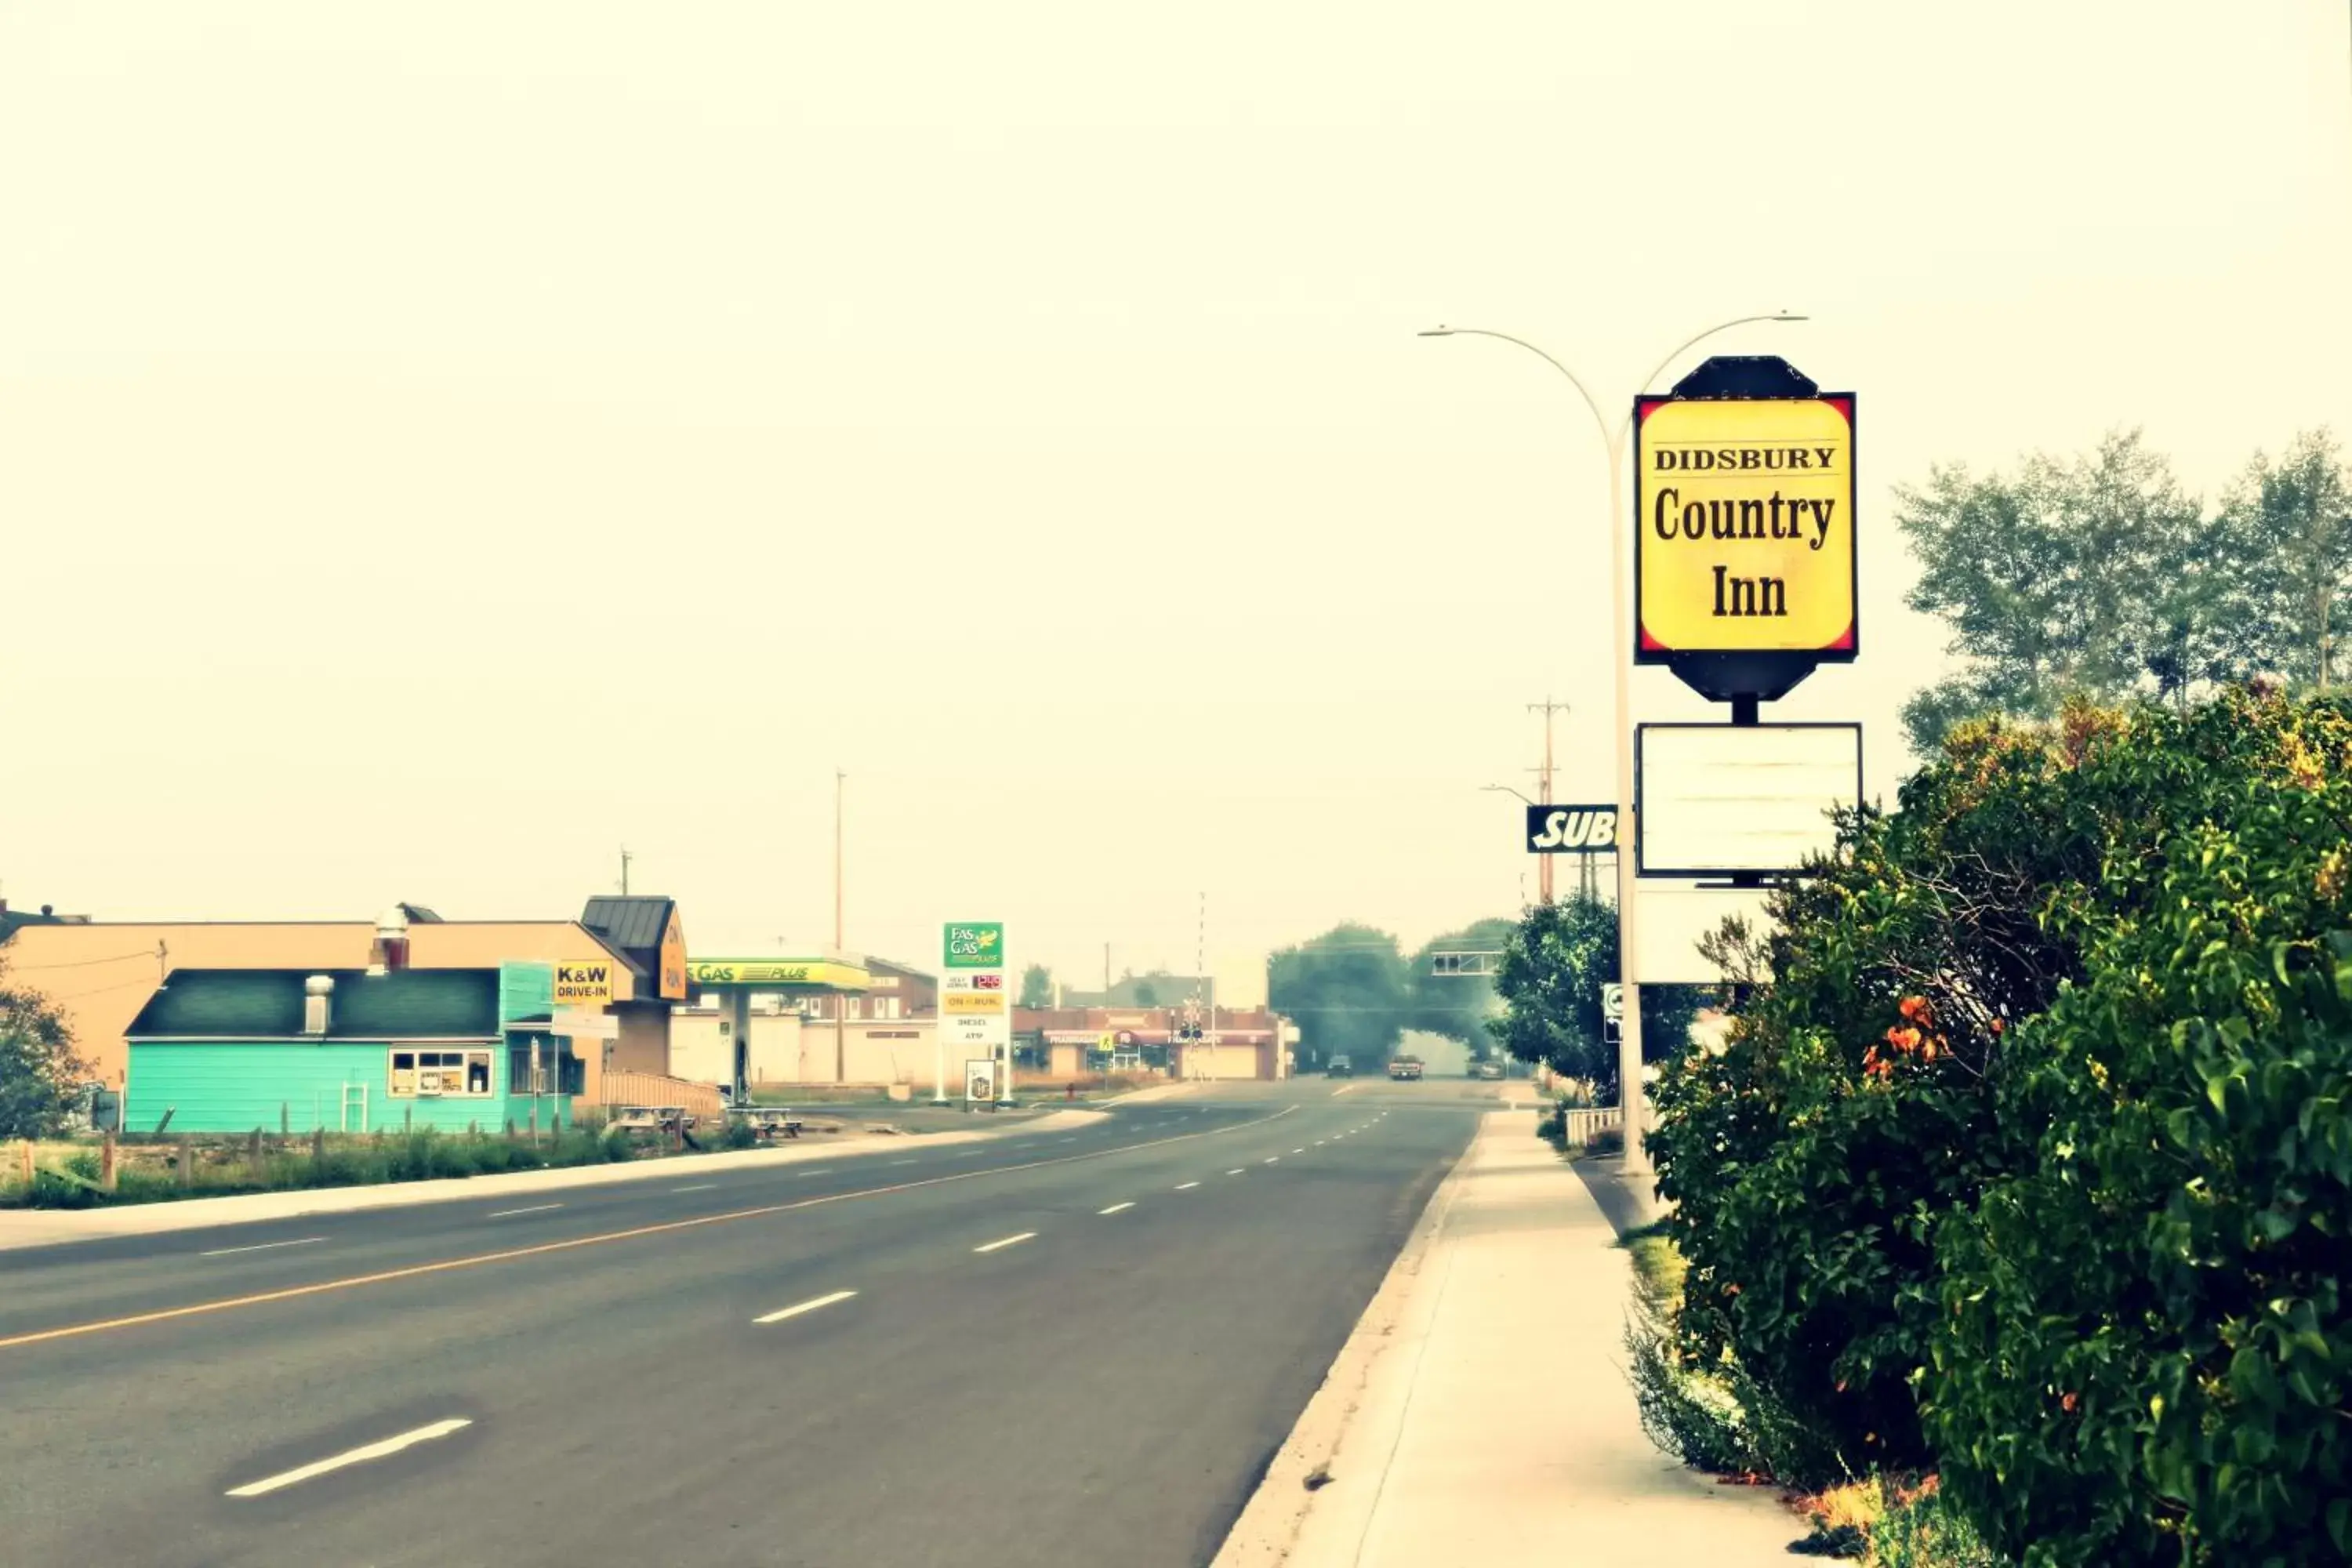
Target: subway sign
<point>1744,518</point>
<point>1571,830</point>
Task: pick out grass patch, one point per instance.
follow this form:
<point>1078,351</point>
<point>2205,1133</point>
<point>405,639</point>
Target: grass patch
<point>1657,1266</point>
<point>148,1172</point>
<point>1885,1522</point>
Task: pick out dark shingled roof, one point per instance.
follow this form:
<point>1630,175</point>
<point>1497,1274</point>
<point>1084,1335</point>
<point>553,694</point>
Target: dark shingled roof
<point>632,927</point>
<point>266,1005</point>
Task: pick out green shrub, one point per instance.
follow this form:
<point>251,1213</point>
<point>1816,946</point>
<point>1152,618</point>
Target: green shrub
<point>2040,1131</point>
<point>2147,1353</point>
<point>740,1134</point>
<point>1807,1183</point>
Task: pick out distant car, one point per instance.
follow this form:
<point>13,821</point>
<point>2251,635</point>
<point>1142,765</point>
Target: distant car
<point>1405,1066</point>
<point>1339,1067</point>
<point>1489,1070</point>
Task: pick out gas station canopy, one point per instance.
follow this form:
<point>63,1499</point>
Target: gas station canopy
<point>780,973</point>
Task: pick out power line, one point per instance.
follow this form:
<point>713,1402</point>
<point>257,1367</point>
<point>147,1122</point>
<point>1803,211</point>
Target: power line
<point>102,990</point>
<point>82,963</point>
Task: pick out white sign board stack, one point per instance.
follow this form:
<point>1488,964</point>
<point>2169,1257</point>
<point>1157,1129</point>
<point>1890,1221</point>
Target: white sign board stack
<point>975,1004</point>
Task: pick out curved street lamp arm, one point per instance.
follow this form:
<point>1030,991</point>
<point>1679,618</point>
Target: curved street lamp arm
<point>1687,343</point>
<point>1599,418</point>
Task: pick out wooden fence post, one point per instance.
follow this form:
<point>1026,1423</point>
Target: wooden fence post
<point>107,1167</point>
<point>26,1150</point>
<point>187,1164</point>
<point>252,1154</point>
<point>317,1146</point>
<point>284,1122</point>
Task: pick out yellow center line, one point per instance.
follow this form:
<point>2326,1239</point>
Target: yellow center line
<point>507,1255</point>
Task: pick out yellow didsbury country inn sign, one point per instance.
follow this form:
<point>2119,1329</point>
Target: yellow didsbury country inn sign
<point>1744,512</point>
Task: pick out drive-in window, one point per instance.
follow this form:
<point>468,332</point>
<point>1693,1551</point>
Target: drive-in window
<point>440,1075</point>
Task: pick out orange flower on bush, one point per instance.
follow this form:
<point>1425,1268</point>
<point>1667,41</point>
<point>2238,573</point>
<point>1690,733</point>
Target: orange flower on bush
<point>1913,1009</point>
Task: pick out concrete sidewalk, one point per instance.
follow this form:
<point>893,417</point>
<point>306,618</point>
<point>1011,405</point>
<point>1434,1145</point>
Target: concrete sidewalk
<point>42,1227</point>
<point>1480,1412</point>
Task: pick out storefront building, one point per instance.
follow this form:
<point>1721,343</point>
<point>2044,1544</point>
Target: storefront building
<point>629,952</point>
<point>218,1050</point>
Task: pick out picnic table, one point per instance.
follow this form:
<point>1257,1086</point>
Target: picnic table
<point>771,1121</point>
<point>650,1118</point>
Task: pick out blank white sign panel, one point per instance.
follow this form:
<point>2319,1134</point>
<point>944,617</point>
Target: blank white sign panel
<point>1730,797</point>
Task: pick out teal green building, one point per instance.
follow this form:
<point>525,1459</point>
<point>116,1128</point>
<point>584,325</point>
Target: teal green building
<point>228,1050</point>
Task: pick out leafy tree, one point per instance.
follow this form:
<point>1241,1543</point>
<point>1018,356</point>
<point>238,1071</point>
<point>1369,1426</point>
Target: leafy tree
<point>38,1065</point>
<point>1457,1006</point>
<point>1146,994</point>
<point>1555,961</point>
<point>2288,526</point>
<point>1037,986</point>
<point>1348,989</point>
<point>2045,578</point>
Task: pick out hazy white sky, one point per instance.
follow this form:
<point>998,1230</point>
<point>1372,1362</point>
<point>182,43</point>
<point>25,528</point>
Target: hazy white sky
<point>441,442</point>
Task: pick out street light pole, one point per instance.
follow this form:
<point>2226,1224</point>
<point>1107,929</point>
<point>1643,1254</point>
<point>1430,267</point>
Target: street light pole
<point>1629,1046</point>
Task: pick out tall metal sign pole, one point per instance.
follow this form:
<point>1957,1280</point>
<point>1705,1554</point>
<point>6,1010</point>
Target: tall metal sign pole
<point>1745,570</point>
<point>1630,1052</point>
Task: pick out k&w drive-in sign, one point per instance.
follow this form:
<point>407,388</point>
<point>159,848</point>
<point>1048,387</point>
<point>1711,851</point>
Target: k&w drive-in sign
<point>1571,830</point>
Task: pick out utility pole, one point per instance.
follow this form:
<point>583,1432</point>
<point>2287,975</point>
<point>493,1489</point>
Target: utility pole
<point>840,998</point>
<point>1543,793</point>
<point>625,857</point>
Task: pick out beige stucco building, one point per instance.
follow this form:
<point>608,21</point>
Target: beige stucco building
<point>100,974</point>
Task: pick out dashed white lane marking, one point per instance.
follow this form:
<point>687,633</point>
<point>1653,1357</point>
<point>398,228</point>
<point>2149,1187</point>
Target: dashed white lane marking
<point>1115,1208</point>
<point>902,1162</point>
<point>697,1187</point>
<point>1008,1241</point>
<point>534,1208</point>
<point>259,1247</point>
<point>1234,1171</point>
<point>384,1450</point>
<point>1271,1159</point>
<point>1298,1151</point>
<point>810,1305</point>
<point>1186,1186</point>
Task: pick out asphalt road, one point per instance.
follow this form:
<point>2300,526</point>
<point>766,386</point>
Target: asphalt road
<point>1062,1348</point>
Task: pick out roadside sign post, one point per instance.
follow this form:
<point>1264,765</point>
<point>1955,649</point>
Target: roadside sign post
<point>975,1011</point>
<point>1747,578</point>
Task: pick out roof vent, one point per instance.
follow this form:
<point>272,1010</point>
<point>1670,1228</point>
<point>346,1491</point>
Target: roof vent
<point>390,953</point>
<point>316,992</point>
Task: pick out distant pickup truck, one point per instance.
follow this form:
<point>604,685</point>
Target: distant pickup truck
<point>1404,1067</point>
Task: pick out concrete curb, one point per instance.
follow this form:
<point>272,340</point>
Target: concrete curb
<point>44,1228</point>
<point>1329,1437</point>
<point>1145,1096</point>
